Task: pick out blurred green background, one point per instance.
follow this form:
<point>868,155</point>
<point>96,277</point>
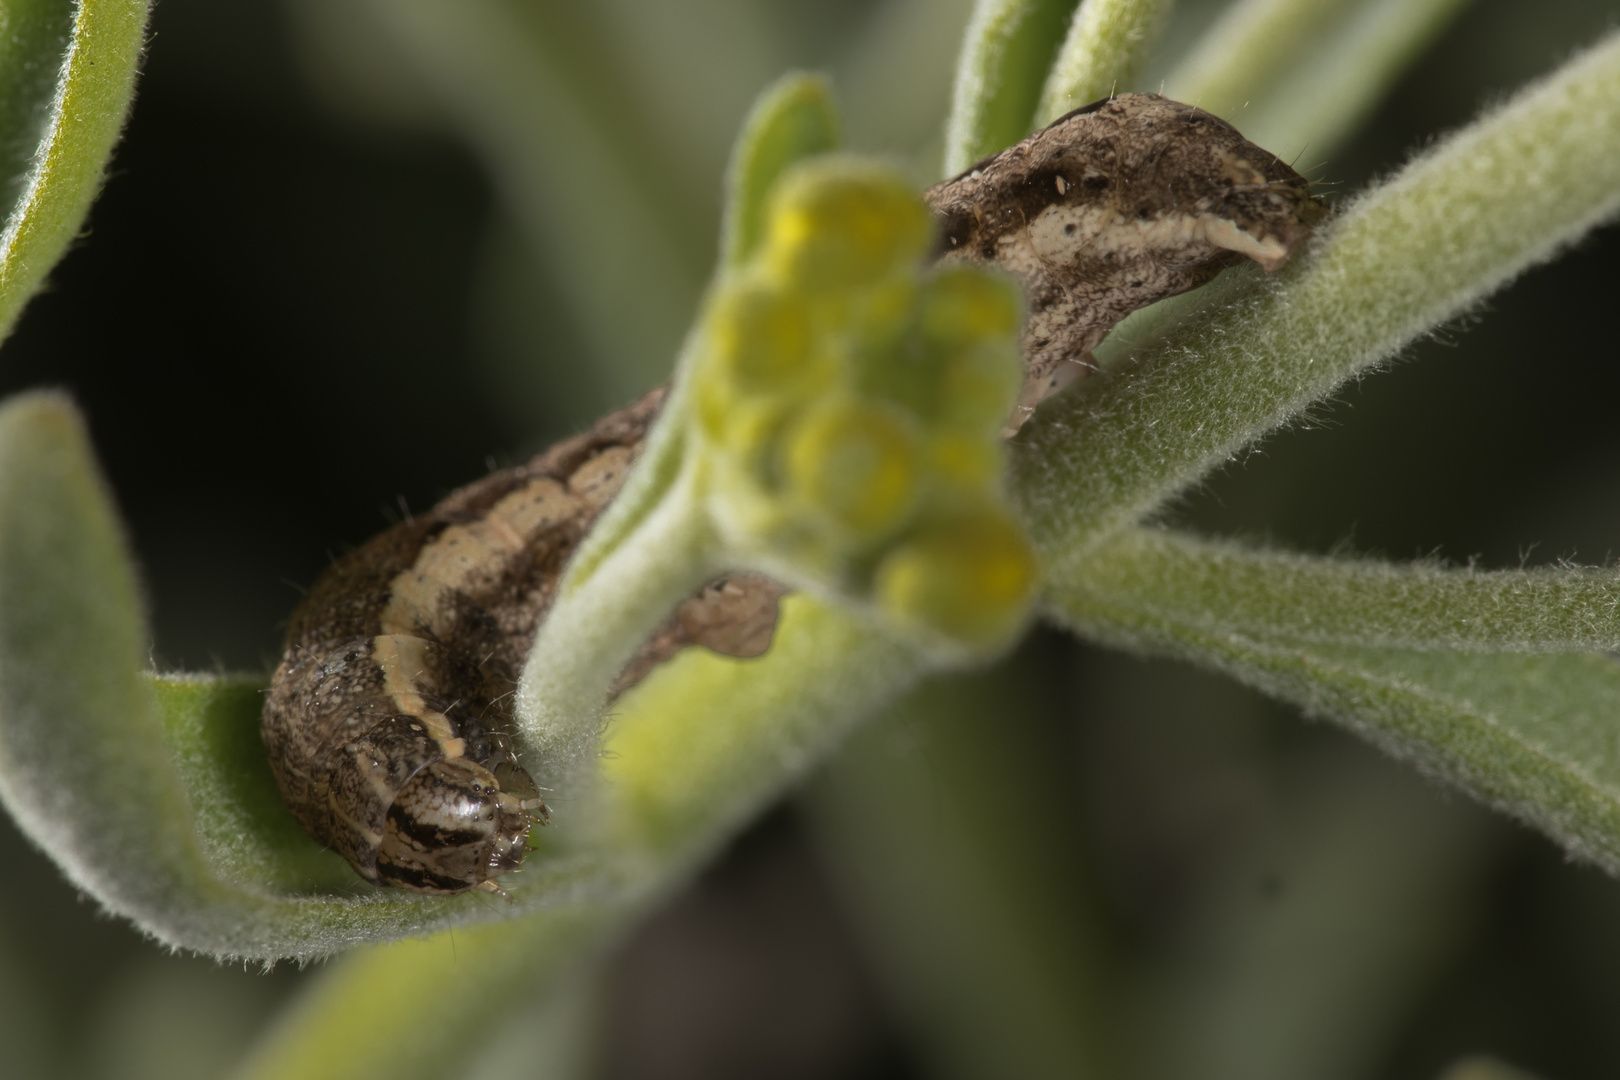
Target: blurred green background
<point>347,259</point>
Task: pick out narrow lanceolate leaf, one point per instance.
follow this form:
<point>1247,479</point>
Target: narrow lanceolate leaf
<point>59,119</point>
<point>1533,735</point>
<point>154,796</point>
<point>1107,41</point>
<point>1230,588</point>
<point>1458,223</point>
<point>540,91</point>
<point>1006,52</point>
<point>946,827</point>
<point>792,120</point>
<point>1297,76</point>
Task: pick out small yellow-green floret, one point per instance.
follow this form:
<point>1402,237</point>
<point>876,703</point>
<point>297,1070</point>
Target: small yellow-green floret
<point>856,463</point>
<point>760,335</point>
<point>962,304</point>
<point>970,579</point>
<point>843,229</point>
<point>850,397</point>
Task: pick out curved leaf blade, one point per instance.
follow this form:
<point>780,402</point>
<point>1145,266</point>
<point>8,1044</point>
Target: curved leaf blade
<point>56,133</point>
<point>1530,734</point>
<point>82,763</point>
<point>793,119</point>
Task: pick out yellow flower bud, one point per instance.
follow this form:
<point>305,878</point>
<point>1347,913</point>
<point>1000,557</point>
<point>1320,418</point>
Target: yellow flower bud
<point>836,225</point>
<point>963,461</point>
<point>978,385</point>
<point>963,303</point>
<point>759,336</point>
<point>856,463</point>
<point>970,579</point>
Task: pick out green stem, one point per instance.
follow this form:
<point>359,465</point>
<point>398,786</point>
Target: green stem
<point>1227,588</point>
<point>602,615</point>
<point>1454,226</point>
<point>947,826</point>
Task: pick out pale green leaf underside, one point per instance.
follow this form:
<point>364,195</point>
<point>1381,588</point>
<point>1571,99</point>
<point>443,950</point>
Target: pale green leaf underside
<point>58,124</point>
<point>1228,587</point>
<point>1533,734</point>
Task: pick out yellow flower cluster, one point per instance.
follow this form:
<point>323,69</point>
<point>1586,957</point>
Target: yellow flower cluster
<point>850,401</point>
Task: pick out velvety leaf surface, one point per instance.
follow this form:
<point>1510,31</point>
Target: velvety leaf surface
<point>58,124</point>
<point>1531,734</point>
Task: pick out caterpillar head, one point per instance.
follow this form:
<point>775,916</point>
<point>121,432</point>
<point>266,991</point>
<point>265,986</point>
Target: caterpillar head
<point>451,828</point>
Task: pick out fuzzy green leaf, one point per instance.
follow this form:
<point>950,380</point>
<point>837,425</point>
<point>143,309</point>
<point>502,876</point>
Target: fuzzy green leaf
<point>59,119</point>
<point>540,91</point>
<point>147,792</point>
<point>154,796</point>
<point>82,765</point>
<point>1298,75</point>
<point>1005,56</point>
<point>793,119</point>
<point>1307,598</point>
<point>1499,196</point>
<point>1533,735</point>
<point>1105,47</point>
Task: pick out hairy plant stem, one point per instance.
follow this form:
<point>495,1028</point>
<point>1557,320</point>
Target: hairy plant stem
<point>602,616</point>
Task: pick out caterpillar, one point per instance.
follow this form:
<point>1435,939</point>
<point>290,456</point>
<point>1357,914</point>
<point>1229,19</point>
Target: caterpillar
<point>387,719</point>
<point>1115,206</point>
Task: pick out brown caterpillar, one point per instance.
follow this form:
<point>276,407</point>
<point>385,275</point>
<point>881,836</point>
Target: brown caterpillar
<point>1115,206</point>
<point>386,719</point>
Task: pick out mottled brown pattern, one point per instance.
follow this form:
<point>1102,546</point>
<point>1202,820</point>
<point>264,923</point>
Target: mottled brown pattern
<point>374,764</point>
<point>1116,205</point>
